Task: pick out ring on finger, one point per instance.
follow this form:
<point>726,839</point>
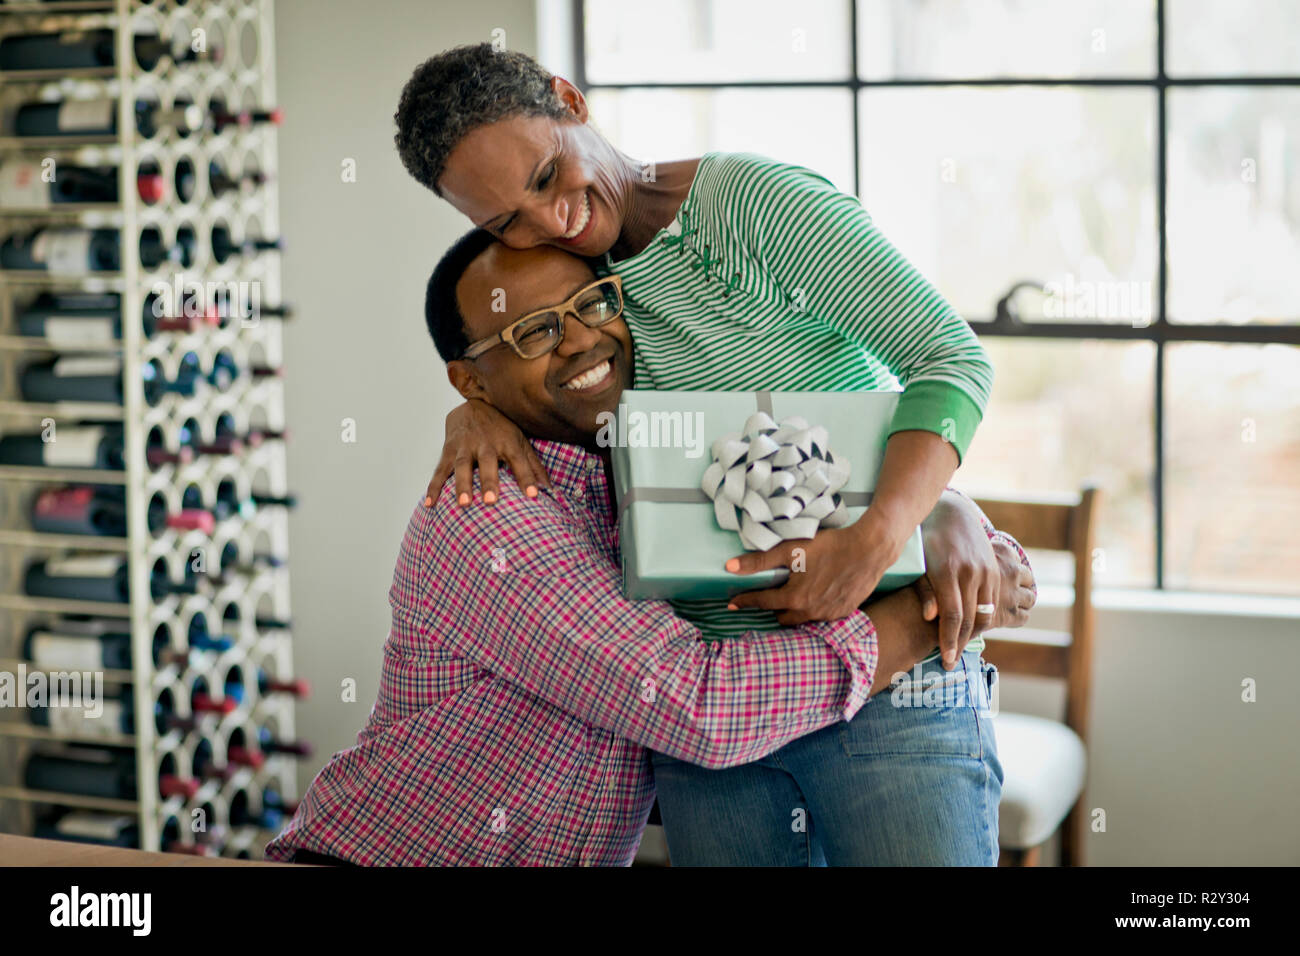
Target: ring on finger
<point>989,609</point>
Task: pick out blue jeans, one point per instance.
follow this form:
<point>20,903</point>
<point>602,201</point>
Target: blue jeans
<point>913,780</point>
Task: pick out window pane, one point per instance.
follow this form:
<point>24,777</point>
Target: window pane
<point>971,39</point>
<point>982,188</point>
<point>1051,426</point>
<point>812,128</point>
<point>710,41</point>
<point>1214,37</point>
<point>1233,467</point>
<point>1234,205</point>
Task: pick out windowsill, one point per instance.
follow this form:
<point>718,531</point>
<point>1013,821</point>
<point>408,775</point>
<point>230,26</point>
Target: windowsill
<point>1175,602</point>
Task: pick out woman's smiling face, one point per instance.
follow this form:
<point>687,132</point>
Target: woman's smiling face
<point>534,180</point>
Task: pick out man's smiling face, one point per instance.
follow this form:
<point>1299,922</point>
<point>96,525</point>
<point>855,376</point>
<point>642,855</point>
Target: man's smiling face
<point>559,395</point>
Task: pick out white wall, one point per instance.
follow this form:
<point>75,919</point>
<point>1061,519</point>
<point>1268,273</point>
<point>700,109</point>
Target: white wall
<point>1188,773</point>
<point>356,261</point>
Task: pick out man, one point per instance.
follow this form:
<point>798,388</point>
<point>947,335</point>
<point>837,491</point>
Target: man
<point>519,687</point>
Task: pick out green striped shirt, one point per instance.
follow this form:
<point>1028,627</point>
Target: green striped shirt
<point>771,278</point>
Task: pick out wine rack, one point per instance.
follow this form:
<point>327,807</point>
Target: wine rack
<point>190,346</point>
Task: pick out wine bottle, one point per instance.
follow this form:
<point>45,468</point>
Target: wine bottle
<point>232,566</point>
<point>93,319</point>
<point>251,313</point>
<point>116,716</point>
<point>73,319</point>
<point>272,799</point>
<point>120,830</point>
<point>74,378</point>
<point>224,371</point>
<point>96,577</point>
<point>293,748</point>
<point>221,117</point>
<point>220,183</point>
<point>103,829</point>
<point>105,773</point>
<point>98,117</point>
<point>228,502</point>
<point>71,446</point>
<point>84,826</point>
<point>295,688</point>
<point>202,702</point>
<point>23,186</point>
<point>85,577</point>
<point>95,378</point>
<point>276,501</point>
<point>76,720</point>
<point>245,757</point>
<point>94,510</point>
<point>201,639</point>
<point>223,246</point>
<point>86,446</point>
<point>80,509</point>
<point>257,436</point>
<point>221,445</point>
<point>91,645</point>
<point>87,49</point>
<point>74,251</point>
<point>258,371</point>
<point>206,768</point>
<point>242,815</point>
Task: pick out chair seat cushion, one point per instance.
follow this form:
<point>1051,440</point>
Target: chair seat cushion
<point>1043,765</point>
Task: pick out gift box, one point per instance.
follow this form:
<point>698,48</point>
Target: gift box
<point>786,464</point>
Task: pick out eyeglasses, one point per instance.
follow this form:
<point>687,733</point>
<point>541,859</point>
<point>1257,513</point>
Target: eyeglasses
<point>538,333</point>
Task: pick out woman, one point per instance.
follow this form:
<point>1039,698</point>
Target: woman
<point>738,273</point>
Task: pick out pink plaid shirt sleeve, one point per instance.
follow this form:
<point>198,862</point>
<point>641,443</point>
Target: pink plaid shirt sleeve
<point>512,589</point>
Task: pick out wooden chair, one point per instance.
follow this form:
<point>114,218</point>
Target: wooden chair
<point>1045,762</point>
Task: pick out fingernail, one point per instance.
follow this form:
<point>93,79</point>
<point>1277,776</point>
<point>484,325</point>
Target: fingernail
<point>733,564</point>
<point>427,501</point>
<point>463,499</point>
<point>732,607</point>
<point>489,497</point>
<point>531,491</point>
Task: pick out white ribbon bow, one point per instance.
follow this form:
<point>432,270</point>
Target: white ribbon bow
<point>775,483</point>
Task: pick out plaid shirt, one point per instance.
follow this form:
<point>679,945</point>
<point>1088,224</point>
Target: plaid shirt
<point>520,689</point>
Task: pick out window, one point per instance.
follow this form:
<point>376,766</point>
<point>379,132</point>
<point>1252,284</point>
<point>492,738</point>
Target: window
<point>1108,190</point>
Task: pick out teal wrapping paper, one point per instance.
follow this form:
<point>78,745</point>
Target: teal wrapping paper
<point>669,538</point>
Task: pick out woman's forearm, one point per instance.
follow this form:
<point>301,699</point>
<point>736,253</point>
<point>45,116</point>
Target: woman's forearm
<point>917,468</point>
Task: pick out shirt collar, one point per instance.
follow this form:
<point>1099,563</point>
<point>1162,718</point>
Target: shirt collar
<point>569,466</point>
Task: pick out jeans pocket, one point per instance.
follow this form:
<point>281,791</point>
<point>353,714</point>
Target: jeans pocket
<point>930,711</point>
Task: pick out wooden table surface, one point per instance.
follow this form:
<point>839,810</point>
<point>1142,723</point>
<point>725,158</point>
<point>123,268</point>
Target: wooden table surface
<point>29,851</point>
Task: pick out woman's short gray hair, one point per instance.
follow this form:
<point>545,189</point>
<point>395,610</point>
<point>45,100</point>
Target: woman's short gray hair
<point>461,89</point>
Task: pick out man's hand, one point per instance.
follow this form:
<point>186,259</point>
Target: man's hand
<point>961,572</point>
<point>840,569</point>
<point>1018,594</point>
<point>477,433</point>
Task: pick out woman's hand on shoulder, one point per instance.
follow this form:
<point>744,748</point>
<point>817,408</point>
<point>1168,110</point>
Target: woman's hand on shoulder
<point>477,435</point>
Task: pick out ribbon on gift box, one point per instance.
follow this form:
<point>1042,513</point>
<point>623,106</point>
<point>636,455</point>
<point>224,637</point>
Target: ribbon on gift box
<point>773,483</point>
<point>770,483</point>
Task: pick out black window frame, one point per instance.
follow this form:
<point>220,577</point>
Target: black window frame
<point>1160,330</point>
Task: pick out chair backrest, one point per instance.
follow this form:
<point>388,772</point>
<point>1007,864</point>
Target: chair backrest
<point>1052,524</point>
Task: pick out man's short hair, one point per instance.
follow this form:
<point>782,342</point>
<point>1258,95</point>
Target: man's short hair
<point>441,309</point>
<point>461,89</point>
